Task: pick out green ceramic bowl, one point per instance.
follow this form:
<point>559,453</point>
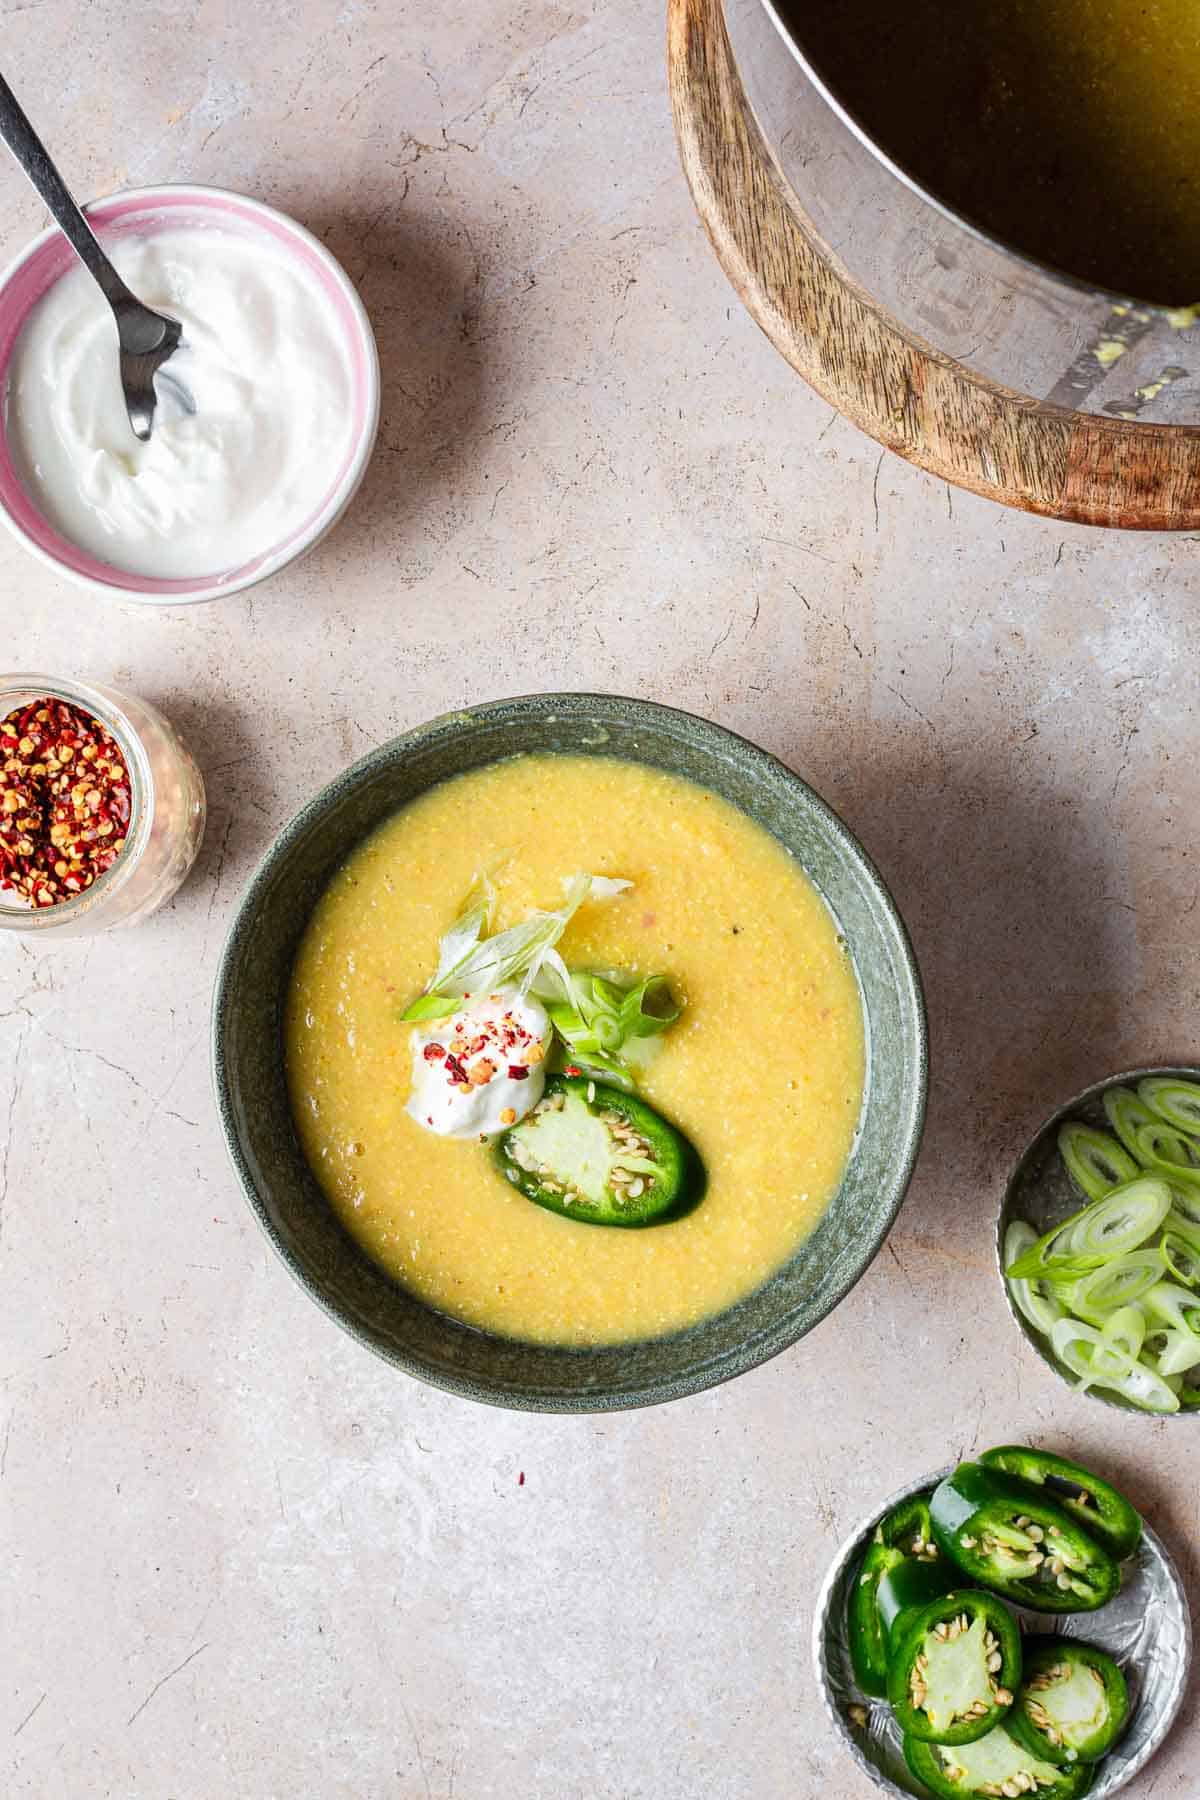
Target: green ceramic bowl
<point>248,1067</point>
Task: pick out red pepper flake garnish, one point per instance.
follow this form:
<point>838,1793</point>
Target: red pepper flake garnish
<point>458,1075</point>
<point>521,1479</point>
<point>572,1070</point>
<point>434,1052</point>
<point>65,801</point>
<point>517,1073</point>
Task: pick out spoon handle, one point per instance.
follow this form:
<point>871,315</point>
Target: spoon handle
<point>31,153</point>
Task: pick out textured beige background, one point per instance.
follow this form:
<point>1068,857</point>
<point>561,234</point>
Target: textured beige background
<point>239,1556</point>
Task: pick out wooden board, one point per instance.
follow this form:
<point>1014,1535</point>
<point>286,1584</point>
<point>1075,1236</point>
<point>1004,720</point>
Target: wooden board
<point>1082,467</point>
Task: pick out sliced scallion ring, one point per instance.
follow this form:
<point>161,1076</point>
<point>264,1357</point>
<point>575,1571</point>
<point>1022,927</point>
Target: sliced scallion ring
<point>1146,1389</point>
<point>1084,1352</point>
<point>1175,1306</point>
<point>1120,1221</point>
<point>1188,1391</point>
<point>1096,1162</point>
<point>1173,1099</point>
<point>1114,1284</point>
<point>1081,1349</point>
<point>1125,1112</point>
<point>1125,1330</point>
<point>1169,1153</point>
<point>1175,1352</point>
<point>1184,1216</point>
<point>1181,1258</point>
<point>1035,1300</point>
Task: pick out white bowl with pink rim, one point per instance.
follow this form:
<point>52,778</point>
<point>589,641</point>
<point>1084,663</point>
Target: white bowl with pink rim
<point>142,212</point>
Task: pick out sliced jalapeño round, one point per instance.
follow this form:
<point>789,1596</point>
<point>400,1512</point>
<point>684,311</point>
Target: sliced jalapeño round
<point>598,1155</point>
<point>954,1667</point>
<point>1091,1501</point>
<point>1073,1702</point>
<point>1005,1535</point>
<point>996,1764</point>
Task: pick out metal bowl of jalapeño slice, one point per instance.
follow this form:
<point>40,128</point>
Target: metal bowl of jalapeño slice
<point>1099,1241</point>
<point>1009,1628</point>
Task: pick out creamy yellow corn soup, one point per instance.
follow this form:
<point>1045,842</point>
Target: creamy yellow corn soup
<point>763,1071</point>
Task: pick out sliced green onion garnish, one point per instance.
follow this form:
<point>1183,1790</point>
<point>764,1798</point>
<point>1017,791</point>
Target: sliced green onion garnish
<point>1145,1388</point>
<point>1175,1352</point>
<point>431,1006</point>
<point>1184,1216</point>
<point>1187,1387</point>
<point>1125,1268</point>
<point>470,962</point>
<point>1125,1330</point>
<point>604,1068</point>
<point>1046,1260</point>
<point>1095,1161</point>
<point>1114,1284</point>
<point>1175,1100</point>
<point>1120,1221</point>
<point>1182,1259</point>
<point>648,1008</point>
<point>1036,1300</point>
<point>1125,1112</point>
<point>1081,1349</point>
<point>1175,1306</point>
<point>1109,1227</point>
<point>1169,1153</point>
<point>598,1016</point>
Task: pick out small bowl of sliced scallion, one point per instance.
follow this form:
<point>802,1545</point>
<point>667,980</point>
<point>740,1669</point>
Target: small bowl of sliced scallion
<point>1099,1241</point>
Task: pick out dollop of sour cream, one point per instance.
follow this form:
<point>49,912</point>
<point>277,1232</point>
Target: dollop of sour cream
<point>262,358</point>
<point>481,1069</point>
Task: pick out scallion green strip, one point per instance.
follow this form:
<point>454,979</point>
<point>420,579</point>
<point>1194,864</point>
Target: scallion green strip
<point>1036,1300</point>
<point>431,1006</point>
<point>1119,1222</point>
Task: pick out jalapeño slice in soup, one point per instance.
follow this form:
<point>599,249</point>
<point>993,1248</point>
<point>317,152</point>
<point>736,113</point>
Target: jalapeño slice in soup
<point>601,1156</point>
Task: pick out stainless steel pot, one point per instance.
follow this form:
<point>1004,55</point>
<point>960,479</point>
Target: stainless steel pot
<point>992,309</point>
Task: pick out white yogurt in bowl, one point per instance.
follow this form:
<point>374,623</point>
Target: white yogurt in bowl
<point>277,356</point>
<point>260,357</point>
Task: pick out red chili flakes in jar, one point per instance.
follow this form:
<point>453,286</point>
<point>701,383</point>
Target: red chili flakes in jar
<point>65,801</point>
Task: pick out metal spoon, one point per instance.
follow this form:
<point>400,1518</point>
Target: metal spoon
<point>146,338</point>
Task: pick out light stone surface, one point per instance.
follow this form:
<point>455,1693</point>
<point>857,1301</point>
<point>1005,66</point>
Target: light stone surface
<point>238,1555</point>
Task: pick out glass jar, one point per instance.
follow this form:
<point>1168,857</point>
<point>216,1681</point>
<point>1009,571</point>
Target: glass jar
<point>166,817</point>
